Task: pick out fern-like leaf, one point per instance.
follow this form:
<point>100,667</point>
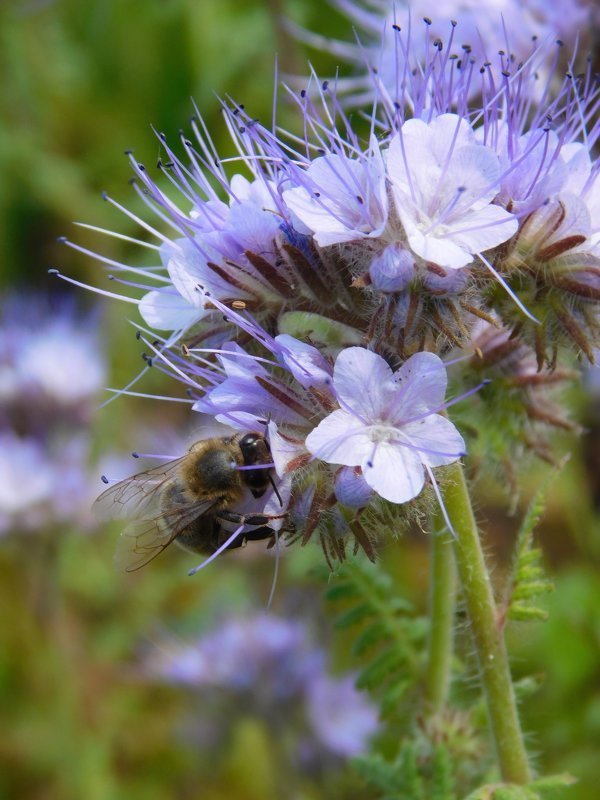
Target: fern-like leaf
<point>528,581</point>
<point>389,635</point>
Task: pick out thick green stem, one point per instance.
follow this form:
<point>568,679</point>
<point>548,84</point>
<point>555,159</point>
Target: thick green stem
<point>442,604</point>
<point>488,637</point>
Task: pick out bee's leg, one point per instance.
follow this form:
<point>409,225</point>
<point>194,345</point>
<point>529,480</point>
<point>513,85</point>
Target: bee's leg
<point>247,519</point>
<point>256,535</point>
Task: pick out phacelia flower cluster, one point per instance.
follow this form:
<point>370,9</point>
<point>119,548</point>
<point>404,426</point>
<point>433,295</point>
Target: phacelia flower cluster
<point>317,298</point>
<point>51,369</point>
<point>270,666</point>
<point>479,31</point>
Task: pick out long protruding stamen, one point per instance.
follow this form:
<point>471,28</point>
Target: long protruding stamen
<point>218,552</point>
<point>507,288</point>
<point>440,500</point>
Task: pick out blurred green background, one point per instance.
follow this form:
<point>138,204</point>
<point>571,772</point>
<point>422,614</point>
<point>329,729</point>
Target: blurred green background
<point>81,83</point>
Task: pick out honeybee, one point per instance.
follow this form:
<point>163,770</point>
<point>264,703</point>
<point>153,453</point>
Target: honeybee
<point>193,499</point>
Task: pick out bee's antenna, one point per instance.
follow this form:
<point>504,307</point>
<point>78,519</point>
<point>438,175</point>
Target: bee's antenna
<point>275,489</point>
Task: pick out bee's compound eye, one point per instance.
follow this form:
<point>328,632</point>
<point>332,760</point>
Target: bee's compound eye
<point>253,448</point>
<point>248,441</point>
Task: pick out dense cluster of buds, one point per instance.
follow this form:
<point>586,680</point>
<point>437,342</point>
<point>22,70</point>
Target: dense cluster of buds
<point>320,297</point>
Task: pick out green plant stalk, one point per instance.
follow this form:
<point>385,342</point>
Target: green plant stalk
<point>487,635</point>
<point>442,606</point>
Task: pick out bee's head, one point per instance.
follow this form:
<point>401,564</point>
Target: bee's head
<point>255,450</point>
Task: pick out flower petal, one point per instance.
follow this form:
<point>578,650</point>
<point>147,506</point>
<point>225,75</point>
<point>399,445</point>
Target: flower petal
<point>421,385</point>
<point>341,438</point>
<point>437,440</point>
<point>363,382</point>
<point>165,311</point>
<point>395,472</point>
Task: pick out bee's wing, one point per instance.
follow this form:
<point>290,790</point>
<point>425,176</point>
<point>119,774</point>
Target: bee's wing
<point>135,495</point>
<point>144,539</point>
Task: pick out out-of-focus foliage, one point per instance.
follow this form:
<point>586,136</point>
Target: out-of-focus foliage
<point>81,83</point>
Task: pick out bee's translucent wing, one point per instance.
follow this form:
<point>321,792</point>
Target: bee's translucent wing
<point>144,539</point>
<point>135,495</point>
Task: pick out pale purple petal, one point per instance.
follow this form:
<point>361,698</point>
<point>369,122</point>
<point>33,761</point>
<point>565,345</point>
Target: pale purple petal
<point>343,199</point>
<point>396,473</point>
<point>284,449</point>
<point>165,311</point>
<point>362,381</point>
<point>351,489</point>
<point>393,269</point>
<point>341,438</point>
<point>307,364</point>
<point>436,439</point>
<point>421,385</point>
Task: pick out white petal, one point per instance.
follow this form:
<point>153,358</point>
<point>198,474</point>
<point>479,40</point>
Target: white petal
<point>307,364</point>
<point>438,440</point>
<point>362,381</point>
<point>168,312</point>
<point>395,472</point>
<point>435,247</point>
<point>421,383</point>
<point>340,439</point>
<point>482,230</point>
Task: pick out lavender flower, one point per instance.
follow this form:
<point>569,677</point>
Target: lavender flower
<point>269,665</point>
<point>51,367</point>
<point>477,32</point>
<point>316,296</point>
<point>387,422</point>
<point>443,184</point>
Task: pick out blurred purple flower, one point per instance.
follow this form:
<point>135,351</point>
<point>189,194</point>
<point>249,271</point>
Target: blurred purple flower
<point>51,368</point>
<point>269,664</point>
<point>341,717</point>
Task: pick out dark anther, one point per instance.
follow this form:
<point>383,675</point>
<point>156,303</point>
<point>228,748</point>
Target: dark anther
<point>426,20</point>
<point>138,335</point>
<point>396,27</point>
<point>103,478</point>
<point>135,455</point>
<point>325,85</point>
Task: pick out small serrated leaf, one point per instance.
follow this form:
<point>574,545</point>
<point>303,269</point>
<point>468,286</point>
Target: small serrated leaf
<point>354,615</point>
<point>390,701</point>
<point>552,786</point>
<point>341,591</point>
<point>524,613</point>
<point>376,672</point>
<point>532,589</point>
<point>372,635</point>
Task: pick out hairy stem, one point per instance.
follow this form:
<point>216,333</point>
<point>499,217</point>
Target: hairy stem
<point>442,603</point>
<point>487,635</point>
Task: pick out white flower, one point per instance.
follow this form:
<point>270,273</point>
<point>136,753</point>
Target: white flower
<point>387,422</point>
<point>341,199</point>
<point>443,184</point>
